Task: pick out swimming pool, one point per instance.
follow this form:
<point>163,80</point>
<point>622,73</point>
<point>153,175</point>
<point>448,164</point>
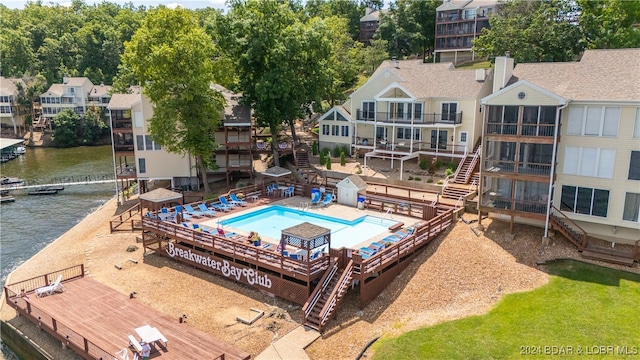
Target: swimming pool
<point>271,220</point>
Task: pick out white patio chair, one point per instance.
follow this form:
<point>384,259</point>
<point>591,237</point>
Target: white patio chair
<point>50,289</point>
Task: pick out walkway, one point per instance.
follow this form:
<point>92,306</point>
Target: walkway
<point>290,346</point>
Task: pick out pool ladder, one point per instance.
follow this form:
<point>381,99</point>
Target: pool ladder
<point>385,215</point>
<point>304,206</point>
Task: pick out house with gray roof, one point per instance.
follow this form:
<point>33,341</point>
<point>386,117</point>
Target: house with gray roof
<point>562,145</point>
<point>9,114</point>
<point>75,93</point>
<point>409,108</point>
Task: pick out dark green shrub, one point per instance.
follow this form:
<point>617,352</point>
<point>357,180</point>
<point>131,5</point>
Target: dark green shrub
<point>423,164</point>
<point>342,159</point>
<point>429,180</point>
<point>325,151</point>
<point>410,178</point>
<point>328,163</point>
<point>344,149</point>
<point>438,164</point>
<point>314,148</point>
<point>452,165</point>
<point>417,178</point>
<point>321,159</point>
<point>431,168</point>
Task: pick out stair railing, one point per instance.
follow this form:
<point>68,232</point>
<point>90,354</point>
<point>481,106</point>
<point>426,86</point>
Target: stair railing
<point>472,166</point>
<point>569,226</point>
<point>315,296</point>
<point>343,282</point>
<point>446,181</point>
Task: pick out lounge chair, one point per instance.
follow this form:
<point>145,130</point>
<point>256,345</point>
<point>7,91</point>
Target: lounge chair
<point>327,199</point>
<point>290,191</point>
<point>368,251</point>
<point>219,207</point>
<point>185,215</point>
<point>228,235</point>
<point>315,198</point>
<point>225,202</point>
<point>377,245</point>
<point>50,289</point>
<point>269,190</point>
<point>193,212</point>
<point>208,212</point>
<point>235,200</point>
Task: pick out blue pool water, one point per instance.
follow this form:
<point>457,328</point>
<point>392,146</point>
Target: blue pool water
<point>271,220</point>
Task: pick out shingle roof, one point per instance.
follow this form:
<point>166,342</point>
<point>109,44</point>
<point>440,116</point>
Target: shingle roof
<point>123,101</point>
<point>306,230</point>
<point>8,86</point>
<point>234,112</point>
<point>428,80</point>
<point>75,81</point>
<point>100,90</point>
<point>55,89</point>
<point>373,16</point>
<point>612,75</point>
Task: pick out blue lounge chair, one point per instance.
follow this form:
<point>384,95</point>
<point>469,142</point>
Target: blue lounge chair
<point>315,198</point>
<point>185,216</point>
<point>206,210</point>
<point>327,199</point>
<point>225,202</point>
<point>235,200</point>
<point>269,190</point>
<point>378,245</point>
<point>190,210</point>
<point>219,207</point>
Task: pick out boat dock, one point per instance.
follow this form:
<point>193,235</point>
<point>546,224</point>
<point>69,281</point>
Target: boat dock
<point>10,149</point>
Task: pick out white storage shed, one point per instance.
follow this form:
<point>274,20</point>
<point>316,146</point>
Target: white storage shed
<point>349,188</point>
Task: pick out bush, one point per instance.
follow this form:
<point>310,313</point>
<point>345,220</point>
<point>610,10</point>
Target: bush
<point>314,148</point>
<point>328,163</point>
<point>417,178</point>
<point>429,180</point>
<point>325,152</point>
<point>344,149</point>
<point>423,164</point>
<point>448,172</point>
<point>343,161</point>
<point>321,159</point>
<point>452,165</point>
<point>410,178</point>
<point>438,164</point>
<point>440,182</point>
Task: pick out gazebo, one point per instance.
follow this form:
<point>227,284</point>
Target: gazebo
<point>158,198</point>
<point>306,237</point>
<point>276,172</point>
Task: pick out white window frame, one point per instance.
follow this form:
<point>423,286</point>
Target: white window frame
<point>447,117</point>
<point>603,161</point>
<point>326,129</point>
<point>365,110</point>
<point>578,124</point>
<point>636,128</point>
<point>344,130</point>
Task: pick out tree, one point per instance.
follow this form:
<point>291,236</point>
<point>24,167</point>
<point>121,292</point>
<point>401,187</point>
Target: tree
<point>93,126</point>
<point>16,54</point>
<point>174,58</point>
<point>409,27</point>
<point>610,24</point>
<point>374,55</point>
<point>65,132</point>
<point>280,62</point>
<point>29,90</point>
<point>533,31</point>
<point>346,9</point>
<point>344,63</point>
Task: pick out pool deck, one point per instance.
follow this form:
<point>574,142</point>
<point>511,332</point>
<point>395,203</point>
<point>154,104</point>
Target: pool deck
<point>296,202</point>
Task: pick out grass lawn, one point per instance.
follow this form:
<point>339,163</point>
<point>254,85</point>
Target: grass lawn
<point>476,65</point>
<point>582,308</point>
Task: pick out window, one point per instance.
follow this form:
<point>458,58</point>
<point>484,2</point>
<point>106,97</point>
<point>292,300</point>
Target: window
<point>5,99</point>
<point>449,111</point>
<point>325,129</point>
<point>142,165</point>
<point>463,137</point>
<point>594,162</point>
<point>137,119</point>
<point>593,121</point>
<point>396,110</point>
<point>368,110</point>
<point>345,130</point>
<point>148,143</point>
<point>636,129</point>
<point>335,130</point>
<point>631,207</point>
<point>634,166</point>
<point>140,142</point>
<point>5,109</point>
<point>587,201</point>
<point>417,111</point>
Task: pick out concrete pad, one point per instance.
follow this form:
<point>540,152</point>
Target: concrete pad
<point>301,336</point>
<point>290,346</point>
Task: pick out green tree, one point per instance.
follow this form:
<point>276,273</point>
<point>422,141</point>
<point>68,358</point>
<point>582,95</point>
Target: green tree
<point>610,24</point>
<point>65,132</point>
<point>344,63</point>
<point>349,10</point>
<point>29,90</point>
<point>93,126</point>
<point>374,55</point>
<point>409,27</point>
<point>533,31</point>
<point>343,161</point>
<point>280,62</point>
<point>16,52</point>
<point>174,57</point>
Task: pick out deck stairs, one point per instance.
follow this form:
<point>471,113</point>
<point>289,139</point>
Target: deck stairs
<point>302,157</point>
<point>575,234</point>
<point>325,298</point>
<point>467,167</point>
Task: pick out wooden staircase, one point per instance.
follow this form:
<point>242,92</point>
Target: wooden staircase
<point>467,167</point>
<point>327,295</point>
<point>572,231</point>
<point>607,254</point>
<point>302,157</point>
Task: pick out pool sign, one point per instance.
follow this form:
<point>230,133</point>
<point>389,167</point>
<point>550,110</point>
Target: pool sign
<point>220,267</point>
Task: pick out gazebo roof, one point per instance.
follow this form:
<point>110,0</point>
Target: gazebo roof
<point>306,230</point>
<point>276,171</point>
<point>160,195</point>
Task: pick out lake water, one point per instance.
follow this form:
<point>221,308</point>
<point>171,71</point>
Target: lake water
<point>32,222</point>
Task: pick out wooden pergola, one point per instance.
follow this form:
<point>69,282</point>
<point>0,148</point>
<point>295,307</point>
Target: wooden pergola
<point>305,236</point>
<point>155,199</point>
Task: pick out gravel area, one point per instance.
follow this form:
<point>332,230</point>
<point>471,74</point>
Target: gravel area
<point>458,275</point>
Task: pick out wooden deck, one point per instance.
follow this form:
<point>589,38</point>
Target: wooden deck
<point>105,317</point>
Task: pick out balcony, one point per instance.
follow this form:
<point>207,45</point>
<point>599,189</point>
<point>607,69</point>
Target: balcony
<point>535,130</point>
<point>513,167</point>
<point>418,119</point>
